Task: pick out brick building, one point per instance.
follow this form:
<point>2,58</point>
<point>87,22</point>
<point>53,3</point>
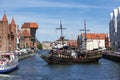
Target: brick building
<point>28,31</point>
<point>72,44</point>
<point>7,34</point>
<point>11,37</point>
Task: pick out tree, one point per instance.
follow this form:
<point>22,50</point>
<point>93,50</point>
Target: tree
<point>39,46</point>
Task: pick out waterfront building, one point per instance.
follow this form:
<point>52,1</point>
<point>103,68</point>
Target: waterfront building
<point>11,38</point>
<point>47,45</point>
<point>28,31</point>
<point>93,41</point>
<point>72,44</point>
<point>7,34</point>
<point>114,28</point>
<point>20,39</point>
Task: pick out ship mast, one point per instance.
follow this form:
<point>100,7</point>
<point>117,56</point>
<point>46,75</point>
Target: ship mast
<point>85,32</point>
<point>61,30</point>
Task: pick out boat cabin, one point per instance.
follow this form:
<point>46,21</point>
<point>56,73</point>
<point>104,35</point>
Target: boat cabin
<point>6,57</point>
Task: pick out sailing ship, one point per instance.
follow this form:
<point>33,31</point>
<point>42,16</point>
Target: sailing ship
<point>65,55</point>
<point>8,62</point>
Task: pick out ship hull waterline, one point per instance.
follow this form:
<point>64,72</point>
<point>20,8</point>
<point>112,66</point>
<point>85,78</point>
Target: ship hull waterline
<point>10,69</point>
<point>60,60</point>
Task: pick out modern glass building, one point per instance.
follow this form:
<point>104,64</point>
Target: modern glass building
<point>114,28</point>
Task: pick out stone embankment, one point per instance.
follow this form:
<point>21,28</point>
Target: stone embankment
<point>24,56</point>
<point>114,56</point>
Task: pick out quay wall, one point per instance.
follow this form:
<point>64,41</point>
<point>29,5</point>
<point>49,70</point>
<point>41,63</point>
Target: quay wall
<point>115,58</point>
<point>24,56</point>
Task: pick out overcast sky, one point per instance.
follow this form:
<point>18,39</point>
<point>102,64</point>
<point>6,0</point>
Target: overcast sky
<point>48,13</point>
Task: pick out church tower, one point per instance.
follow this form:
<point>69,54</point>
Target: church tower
<point>13,35</point>
<point>4,33</point>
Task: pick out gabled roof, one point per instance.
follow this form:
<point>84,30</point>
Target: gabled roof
<point>94,36</point>
<point>4,18</point>
<point>30,25</point>
<point>26,33</point>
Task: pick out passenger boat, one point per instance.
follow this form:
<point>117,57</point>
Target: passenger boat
<point>8,62</point>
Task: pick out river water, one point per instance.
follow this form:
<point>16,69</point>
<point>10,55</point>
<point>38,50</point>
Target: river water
<point>34,68</point>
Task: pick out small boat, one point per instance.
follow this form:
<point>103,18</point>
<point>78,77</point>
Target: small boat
<point>8,62</point>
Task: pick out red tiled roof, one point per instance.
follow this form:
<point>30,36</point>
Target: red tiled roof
<point>4,17</point>
<point>94,36</point>
<point>26,33</point>
<point>30,25</point>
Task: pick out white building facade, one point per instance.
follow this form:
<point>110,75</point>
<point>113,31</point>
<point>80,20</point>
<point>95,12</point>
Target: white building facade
<point>93,41</point>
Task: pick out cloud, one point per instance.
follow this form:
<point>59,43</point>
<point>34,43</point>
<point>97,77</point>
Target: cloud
<point>42,19</point>
<point>48,21</point>
<point>41,3</point>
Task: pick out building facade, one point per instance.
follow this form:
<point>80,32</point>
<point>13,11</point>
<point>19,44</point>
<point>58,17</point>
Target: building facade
<point>93,41</point>
<point>7,34</point>
<point>28,31</point>
<point>114,28</point>
<point>72,44</point>
<point>12,38</point>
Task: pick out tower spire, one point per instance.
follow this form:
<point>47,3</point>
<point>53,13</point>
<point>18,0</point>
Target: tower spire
<point>13,22</point>
<point>4,17</point>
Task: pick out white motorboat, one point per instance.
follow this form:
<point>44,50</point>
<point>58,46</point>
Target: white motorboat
<point>8,62</point>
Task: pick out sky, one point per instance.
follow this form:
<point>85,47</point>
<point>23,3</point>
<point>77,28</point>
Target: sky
<point>72,13</point>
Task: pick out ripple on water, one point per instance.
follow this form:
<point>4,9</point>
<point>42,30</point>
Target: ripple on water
<point>35,68</point>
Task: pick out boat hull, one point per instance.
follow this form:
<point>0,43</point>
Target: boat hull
<point>60,60</point>
<point>8,62</point>
<point>8,69</point>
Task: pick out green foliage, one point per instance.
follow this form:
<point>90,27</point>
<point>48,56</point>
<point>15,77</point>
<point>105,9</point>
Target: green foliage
<point>39,46</point>
<point>113,49</point>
